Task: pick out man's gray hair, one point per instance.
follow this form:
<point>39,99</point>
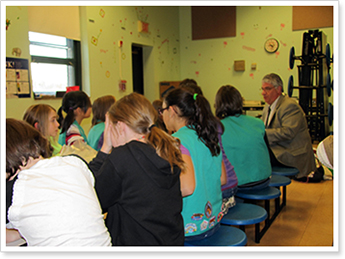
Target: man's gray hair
<point>274,80</point>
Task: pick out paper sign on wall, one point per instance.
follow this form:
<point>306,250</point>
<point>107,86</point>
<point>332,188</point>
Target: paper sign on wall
<point>17,78</point>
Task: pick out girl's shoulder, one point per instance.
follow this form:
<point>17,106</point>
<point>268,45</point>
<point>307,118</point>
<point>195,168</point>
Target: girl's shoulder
<point>73,129</point>
<point>243,117</point>
<point>98,127</point>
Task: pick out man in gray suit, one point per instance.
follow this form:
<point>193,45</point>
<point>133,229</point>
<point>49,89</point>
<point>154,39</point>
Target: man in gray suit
<point>286,129</point>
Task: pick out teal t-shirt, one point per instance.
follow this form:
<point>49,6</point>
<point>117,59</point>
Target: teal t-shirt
<point>62,137</point>
<point>245,147</point>
<point>202,210</point>
<point>95,134</point>
<point>57,147</point>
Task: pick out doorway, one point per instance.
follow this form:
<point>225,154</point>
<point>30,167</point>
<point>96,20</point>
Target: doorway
<point>137,69</point>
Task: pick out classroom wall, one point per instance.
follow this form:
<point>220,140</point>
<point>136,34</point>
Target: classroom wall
<point>103,62</point>
<point>211,61</point>
<point>169,52</point>
<point>108,63</point>
<point>17,37</point>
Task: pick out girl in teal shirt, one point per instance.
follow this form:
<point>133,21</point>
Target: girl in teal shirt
<point>243,140</point>
<point>99,108</point>
<point>190,117</point>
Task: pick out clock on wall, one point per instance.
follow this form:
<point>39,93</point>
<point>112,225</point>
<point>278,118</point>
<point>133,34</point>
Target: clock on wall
<point>271,45</point>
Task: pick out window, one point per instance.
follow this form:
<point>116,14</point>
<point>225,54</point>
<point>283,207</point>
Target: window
<point>55,64</point>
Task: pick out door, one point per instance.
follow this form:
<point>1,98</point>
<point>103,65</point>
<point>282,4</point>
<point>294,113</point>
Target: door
<point>137,69</point>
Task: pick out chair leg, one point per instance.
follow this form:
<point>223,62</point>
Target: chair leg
<point>267,223</point>
<point>257,233</point>
<point>267,208</point>
<point>283,203</point>
<point>284,196</point>
<point>277,209</point>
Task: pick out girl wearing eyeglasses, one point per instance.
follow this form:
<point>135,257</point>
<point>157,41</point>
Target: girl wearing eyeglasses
<point>190,117</point>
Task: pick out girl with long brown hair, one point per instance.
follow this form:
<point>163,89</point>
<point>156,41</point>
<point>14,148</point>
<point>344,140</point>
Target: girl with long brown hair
<point>137,176</point>
<point>44,118</point>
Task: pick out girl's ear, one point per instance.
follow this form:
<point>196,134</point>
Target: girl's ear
<point>173,110</point>
<point>36,126</point>
<point>77,111</point>
<point>121,127</point>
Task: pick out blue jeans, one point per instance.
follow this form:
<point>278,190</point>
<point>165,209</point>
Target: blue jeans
<point>229,192</point>
<point>208,233</point>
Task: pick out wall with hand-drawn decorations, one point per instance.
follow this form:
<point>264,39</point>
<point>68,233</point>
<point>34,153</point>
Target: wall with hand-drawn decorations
<point>110,33</point>
<point>104,63</point>
<point>17,46</point>
<point>211,61</point>
<point>170,54</point>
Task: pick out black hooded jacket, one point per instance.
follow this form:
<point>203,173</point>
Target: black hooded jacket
<point>141,195</point>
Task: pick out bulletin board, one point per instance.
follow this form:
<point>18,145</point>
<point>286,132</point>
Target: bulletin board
<point>311,17</point>
<point>17,78</point>
<point>166,86</point>
<point>209,22</point>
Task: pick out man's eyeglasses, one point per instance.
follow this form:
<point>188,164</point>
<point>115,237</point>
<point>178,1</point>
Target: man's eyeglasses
<point>161,110</point>
<point>266,89</point>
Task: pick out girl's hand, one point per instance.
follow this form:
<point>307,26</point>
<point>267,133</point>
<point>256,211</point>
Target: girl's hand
<point>108,132</point>
<point>12,235</point>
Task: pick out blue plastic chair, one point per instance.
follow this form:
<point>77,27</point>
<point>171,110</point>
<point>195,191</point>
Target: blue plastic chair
<point>246,214</point>
<point>265,194</point>
<point>280,181</point>
<point>284,171</point>
<point>225,236</point>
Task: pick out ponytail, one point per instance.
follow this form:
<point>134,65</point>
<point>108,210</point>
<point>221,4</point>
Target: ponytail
<point>60,117</point>
<point>167,147</point>
<point>197,111</point>
<point>67,121</point>
<point>206,124</point>
<point>70,102</point>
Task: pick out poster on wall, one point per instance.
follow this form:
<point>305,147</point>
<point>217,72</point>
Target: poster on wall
<point>17,78</point>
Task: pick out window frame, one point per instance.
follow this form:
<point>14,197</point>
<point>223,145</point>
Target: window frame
<point>74,62</point>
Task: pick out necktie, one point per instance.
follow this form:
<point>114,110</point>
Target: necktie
<point>268,115</point>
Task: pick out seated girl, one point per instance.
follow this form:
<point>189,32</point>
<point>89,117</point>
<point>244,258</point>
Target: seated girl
<point>44,118</point>
<point>243,140</point>
<point>54,202</point>
<point>190,117</point>
<point>137,175</point>
<point>99,108</point>
<point>76,106</point>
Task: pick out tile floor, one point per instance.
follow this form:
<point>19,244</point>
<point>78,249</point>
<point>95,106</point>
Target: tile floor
<point>307,219</point>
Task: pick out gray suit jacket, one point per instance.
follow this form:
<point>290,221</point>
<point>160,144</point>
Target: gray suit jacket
<point>288,136</point>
